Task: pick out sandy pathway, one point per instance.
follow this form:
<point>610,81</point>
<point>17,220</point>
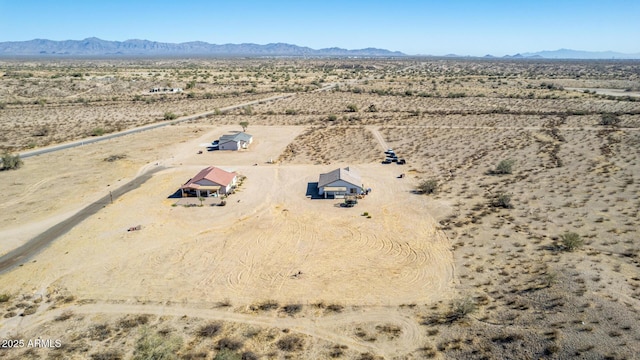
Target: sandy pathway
<point>325,327</point>
<point>378,137</point>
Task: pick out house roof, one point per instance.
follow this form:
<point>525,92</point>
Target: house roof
<point>344,174</point>
<point>240,136</point>
<point>213,174</point>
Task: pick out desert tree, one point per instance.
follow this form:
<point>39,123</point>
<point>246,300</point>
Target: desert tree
<point>245,125</point>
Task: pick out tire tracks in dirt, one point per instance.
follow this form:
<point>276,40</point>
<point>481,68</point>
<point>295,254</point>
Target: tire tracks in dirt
<point>317,327</point>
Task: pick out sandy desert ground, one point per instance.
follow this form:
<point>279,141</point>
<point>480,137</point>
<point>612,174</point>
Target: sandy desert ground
<point>275,275</point>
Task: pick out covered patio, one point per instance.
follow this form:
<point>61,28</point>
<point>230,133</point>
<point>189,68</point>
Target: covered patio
<point>196,190</point>
<point>337,192</point>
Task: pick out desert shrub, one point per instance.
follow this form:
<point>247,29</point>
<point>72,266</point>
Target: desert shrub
<point>228,344</point>
<point>42,131</point>
<point>507,338</point>
<point>210,330</point>
<point>571,241</point>
<point>153,346</point>
<point>170,116</point>
<point>372,108</point>
<point>2,105</point>
<point>97,132</point>
<point>30,310</point>
<point>107,355</point>
<point>291,112</point>
<point>4,298</point>
<point>227,355</point>
<point>99,332</point>
<point>292,309</point>
<point>504,167</point>
<point>332,117</point>
<point>502,200</point>
<point>64,316</point>
<point>429,186</point>
<point>335,308</point>
<point>130,322</point>
<point>352,108</point>
<point>267,305</point>
<point>461,308</point>
<point>11,162</point>
<point>609,120</point>
<point>337,351</point>
<point>113,158</point>
<point>248,355</point>
<point>290,343</point>
<point>244,125</point>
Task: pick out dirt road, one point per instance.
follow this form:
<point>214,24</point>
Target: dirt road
<point>35,245</point>
<point>324,327</point>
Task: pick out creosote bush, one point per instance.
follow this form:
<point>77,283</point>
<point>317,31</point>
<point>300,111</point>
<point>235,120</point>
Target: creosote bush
<point>10,161</point>
<point>290,343</point>
<point>429,186</point>
<point>461,308</point>
<point>571,241</point>
<point>152,345</point>
<point>502,200</point>
<point>170,116</point>
<point>609,120</point>
<point>504,167</point>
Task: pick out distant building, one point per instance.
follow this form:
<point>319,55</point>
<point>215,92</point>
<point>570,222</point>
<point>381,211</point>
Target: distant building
<point>240,140</point>
<point>166,90</point>
<point>210,181</point>
<point>340,182</point>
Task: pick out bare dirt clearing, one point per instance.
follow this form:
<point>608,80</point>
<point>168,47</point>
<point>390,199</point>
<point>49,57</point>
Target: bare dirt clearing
<point>250,249</point>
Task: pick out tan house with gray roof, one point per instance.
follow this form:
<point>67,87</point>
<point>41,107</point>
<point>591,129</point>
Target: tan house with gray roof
<point>340,182</point>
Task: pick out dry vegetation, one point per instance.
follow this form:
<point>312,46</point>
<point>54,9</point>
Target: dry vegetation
<point>546,255</point>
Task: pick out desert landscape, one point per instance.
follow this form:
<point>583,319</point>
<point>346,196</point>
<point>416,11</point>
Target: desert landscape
<point>510,232</point>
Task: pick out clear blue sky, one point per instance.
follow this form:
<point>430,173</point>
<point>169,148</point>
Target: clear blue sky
<point>465,27</point>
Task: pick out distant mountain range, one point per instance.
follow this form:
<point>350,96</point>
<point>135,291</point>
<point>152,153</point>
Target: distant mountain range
<point>98,47</point>
<point>572,54</point>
